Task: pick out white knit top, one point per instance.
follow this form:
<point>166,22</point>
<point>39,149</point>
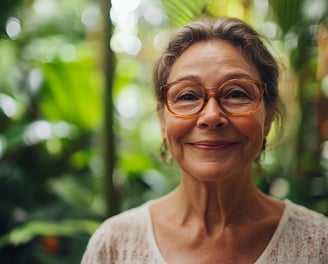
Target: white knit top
<point>301,237</point>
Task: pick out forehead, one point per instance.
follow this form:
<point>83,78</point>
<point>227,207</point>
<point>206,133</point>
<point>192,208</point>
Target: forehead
<point>212,61</point>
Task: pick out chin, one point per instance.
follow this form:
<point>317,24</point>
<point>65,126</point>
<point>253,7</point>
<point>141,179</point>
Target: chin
<point>214,172</point>
<point>209,175</point>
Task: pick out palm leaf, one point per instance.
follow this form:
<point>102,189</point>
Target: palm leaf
<point>25,233</point>
<point>286,12</point>
<point>183,11</point>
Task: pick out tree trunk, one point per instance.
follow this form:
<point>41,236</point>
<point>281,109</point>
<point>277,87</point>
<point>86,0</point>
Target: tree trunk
<point>110,196</point>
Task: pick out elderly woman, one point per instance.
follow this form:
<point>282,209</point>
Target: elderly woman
<point>217,95</point>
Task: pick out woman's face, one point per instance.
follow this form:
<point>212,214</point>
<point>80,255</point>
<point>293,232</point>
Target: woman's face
<point>213,145</point>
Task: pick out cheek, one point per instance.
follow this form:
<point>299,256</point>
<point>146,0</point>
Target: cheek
<point>253,129</point>
<point>175,130</point>
<point>175,127</point>
<point>254,126</point>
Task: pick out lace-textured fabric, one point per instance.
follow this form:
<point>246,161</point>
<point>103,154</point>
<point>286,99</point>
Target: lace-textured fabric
<point>301,237</point>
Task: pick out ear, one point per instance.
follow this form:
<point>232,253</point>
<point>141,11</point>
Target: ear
<point>160,114</point>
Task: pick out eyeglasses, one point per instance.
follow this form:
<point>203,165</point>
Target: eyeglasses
<point>236,97</point>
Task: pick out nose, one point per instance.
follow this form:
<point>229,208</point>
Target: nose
<point>212,116</point>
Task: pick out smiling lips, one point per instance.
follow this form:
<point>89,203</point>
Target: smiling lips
<point>212,145</point>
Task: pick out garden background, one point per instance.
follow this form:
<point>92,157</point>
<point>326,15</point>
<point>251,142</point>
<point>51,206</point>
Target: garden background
<point>79,138</point>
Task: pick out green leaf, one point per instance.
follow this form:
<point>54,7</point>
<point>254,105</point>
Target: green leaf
<point>71,92</point>
<point>286,12</point>
<point>25,233</point>
<point>183,11</point>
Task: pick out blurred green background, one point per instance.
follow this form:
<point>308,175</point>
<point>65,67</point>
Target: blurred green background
<point>79,138</point>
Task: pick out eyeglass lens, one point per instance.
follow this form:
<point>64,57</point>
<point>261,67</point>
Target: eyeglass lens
<point>235,97</point>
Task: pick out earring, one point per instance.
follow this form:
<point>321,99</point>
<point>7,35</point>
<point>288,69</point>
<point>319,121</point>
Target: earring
<point>163,151</point>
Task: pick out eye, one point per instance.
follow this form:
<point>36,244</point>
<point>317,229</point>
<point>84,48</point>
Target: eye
<point>237,94</point>
<point>187,96</point>
<point>185,92</point>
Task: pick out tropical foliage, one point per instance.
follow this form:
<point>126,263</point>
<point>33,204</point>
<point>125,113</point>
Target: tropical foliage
<point>79,138</point>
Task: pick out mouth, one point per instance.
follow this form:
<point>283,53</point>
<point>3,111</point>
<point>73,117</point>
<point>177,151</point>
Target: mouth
<point>212,145</point>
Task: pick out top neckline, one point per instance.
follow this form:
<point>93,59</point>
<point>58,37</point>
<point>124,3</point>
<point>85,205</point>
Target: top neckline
<point>282,222</point>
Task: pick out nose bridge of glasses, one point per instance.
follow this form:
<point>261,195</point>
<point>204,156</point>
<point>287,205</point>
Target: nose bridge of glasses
<point>212,92</point>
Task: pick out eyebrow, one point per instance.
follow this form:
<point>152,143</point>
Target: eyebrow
<point>197,79</point>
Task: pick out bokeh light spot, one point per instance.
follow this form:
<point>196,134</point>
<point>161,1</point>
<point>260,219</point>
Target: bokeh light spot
<point>279,188</point>
<point>8,105</point>
<point>13,27</point>
<point>125,6</point>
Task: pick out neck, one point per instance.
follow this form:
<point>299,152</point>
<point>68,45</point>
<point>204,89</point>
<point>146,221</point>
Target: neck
<point>218,204</point>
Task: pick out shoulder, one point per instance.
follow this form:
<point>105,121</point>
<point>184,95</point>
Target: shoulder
<point>301,237</point>
<point>304,218</point>
<point>125,221</point>
<point>304,232</point>
<point>118,233</point>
